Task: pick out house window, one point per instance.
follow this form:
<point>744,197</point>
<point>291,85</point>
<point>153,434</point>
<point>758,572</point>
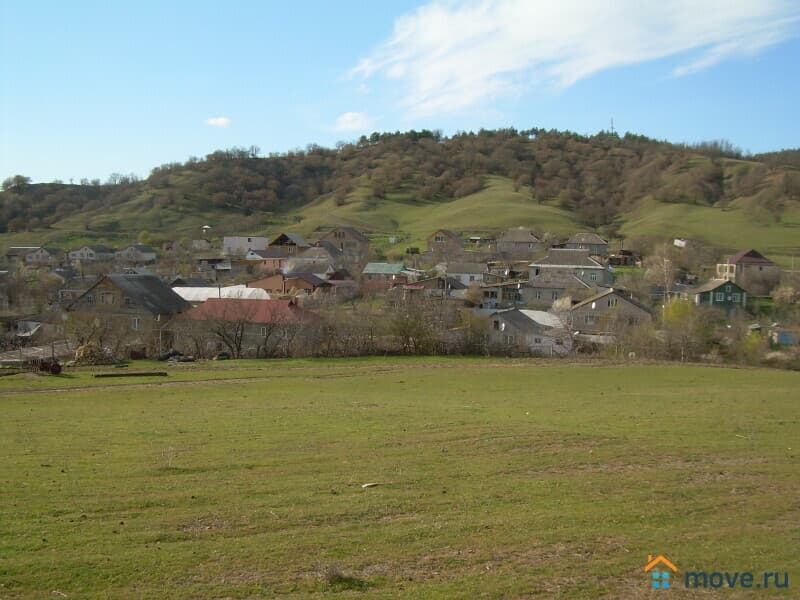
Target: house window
<point>736,298</point>
<point>136,323</point>
<point>727,288</point>
<point>496,325</point>
<point>559,342</point>
<point>554,295</point>
<point>538,294</point>
<point>472,277</point>
<point>439,239</point>
<point>90,299</point>
<point>106,298</point>
<point>537,340</point>
<point>264,332</point>
<point>720,297</point>
<point>593,276</point>
<point>589,319</point>
<point>128,301</point>
<point>510,339</point>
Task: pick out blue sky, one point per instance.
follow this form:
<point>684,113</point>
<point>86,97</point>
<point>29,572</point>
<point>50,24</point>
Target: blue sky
<point>92,88</point>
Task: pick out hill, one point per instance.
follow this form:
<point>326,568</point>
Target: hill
<point>408,184</point>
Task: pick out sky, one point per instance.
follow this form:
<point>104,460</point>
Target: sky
<point>93,88</point>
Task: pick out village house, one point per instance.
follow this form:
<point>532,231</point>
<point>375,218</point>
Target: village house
<point>529,331</point>
<point>135,307</point>
<point>549,287</point>
<point>564,262</point>
<point>720,293</point>
<point>439,286</point>
<point>242,327</point>
<point>323,251</point>
<point>33,256</point>
<point>291,243</point>
<point>752,270</point>
<point>382,276</point>
<point>92,253</point>
<point>74,287</point>
<point>607,313</point>
<point>624,258</point>
<point>508,294</point>
<point>518,242</point>
<point>214,267</point>
<point>351,243</point>
<point>281,285</point>
<point>137,254</point>
<point>591,242</point>
<point>269,260</point>
<point>238,245</point>
<point>444,242</point>
<point>466,273</point>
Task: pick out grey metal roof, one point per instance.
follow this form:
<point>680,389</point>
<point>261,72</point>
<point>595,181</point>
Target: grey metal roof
<point>611,291</point>
<point>529,320</point>
<point>519,234</point>
<point>383,268</point>
<point>586,238</point>
<point>565,257</point>
<point>712,285</point>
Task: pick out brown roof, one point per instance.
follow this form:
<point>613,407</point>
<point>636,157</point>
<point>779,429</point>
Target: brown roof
<point>351,230</point>
<point>447,233</point>
<point>749,257</point>
<point>251,311</point>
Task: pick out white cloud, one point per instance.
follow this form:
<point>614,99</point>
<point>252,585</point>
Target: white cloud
<point>353,121</point>
<point>218,121</point>
<point>452,56</point>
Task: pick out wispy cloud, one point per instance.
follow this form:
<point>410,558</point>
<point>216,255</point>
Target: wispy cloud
<point>353,121</point>
<point>453,56</point>
<point>218,121</point>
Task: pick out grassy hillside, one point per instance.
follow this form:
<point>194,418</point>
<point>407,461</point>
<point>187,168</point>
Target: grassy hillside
<point>409,184</point>
<point>497,478</point>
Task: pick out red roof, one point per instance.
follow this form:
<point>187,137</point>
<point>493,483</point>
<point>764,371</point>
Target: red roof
<point>251,311</point>
<point>752,257</point>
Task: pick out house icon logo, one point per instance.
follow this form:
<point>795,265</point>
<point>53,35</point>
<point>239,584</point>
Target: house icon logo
<point>660,569</point>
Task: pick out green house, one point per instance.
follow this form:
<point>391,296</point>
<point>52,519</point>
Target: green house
<point>722,294</point>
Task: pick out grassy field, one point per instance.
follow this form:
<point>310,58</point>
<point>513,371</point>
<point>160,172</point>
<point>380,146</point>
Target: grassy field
<point>498,478</point>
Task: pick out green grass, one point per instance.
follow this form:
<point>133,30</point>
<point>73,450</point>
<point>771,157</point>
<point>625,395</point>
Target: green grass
<point>498,478</point>
<point>401,214</point>
<point>737,226</point>
<point>496,206</point>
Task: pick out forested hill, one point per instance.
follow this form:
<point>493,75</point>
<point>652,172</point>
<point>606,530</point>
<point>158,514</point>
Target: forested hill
<point>598,180</point>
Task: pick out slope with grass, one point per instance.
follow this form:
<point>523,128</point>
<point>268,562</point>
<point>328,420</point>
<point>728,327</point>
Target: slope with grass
<point>496,478</point>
